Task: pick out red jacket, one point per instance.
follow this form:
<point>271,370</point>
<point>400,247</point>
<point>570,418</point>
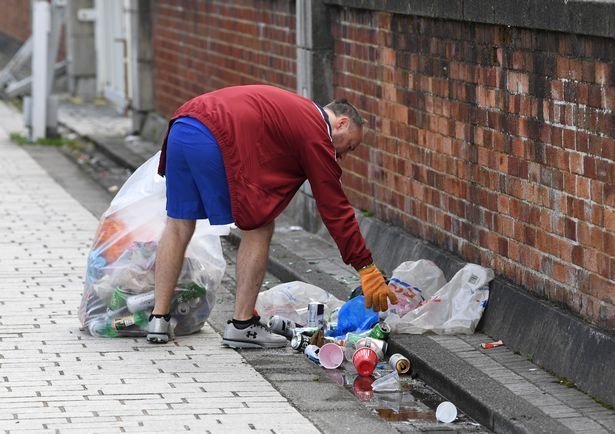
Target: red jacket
<point>271,141</point>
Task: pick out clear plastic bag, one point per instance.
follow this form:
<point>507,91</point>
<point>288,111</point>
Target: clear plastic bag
<point>455,308</point>
<point>119,283</point>
<point>290,300</point>
<point>414,282</point>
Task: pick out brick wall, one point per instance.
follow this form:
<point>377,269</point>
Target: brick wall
<point>204,45</point>
<point>495,143</point>
<point>15,19</point>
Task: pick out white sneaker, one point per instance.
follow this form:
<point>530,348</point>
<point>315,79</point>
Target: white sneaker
<point>158,330</point>
<point>256,335</point>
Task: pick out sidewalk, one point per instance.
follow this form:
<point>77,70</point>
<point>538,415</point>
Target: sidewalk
<point>58,379</point>
<point>499,388</point>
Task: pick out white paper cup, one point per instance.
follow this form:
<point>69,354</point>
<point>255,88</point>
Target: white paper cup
<point>331,356</point>
<point>446,412</point>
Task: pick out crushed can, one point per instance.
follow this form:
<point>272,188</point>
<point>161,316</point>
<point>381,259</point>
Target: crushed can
<point>299,342</point>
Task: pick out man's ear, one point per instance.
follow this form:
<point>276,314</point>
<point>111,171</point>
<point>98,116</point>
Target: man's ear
<point>342,122</point>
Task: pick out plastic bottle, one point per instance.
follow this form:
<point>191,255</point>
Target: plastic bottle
<point>140,302</point>
<point>118,299</point>
<point>101,328</point>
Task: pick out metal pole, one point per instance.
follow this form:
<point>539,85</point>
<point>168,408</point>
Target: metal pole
<point>40,37</point>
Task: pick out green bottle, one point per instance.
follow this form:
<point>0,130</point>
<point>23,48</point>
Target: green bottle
<point>135,320</point>
<point>102,328</point>
<point>191,292</point>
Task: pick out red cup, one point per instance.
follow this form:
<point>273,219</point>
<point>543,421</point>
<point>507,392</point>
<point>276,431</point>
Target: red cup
<point>365,360</point>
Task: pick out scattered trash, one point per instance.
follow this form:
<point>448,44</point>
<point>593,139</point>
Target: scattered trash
<point>400,363</point>
<point>290,301</point>
<point>331,356</point>
<point>489,345</point>
<point>378,345</point>
<point>380,331</point>
<point>455,308</point>
<point>282,326</point>
<point>312,351</point>
<point>299,342</point>
<point>414,282</point>
<point>387,383</point>
<point>446,412</point>
<point>354,317</point>
<point>365,360</point>
<point>315,314</point>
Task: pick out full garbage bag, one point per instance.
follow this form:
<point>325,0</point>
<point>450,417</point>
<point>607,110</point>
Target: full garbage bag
<point>455,308</point>
<point>290,300</point>
<point>119,283</point>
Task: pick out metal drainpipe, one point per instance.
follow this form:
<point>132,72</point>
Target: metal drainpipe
<point>304,44</point>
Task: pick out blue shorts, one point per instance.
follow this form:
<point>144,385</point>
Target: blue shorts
<point>195,174</point>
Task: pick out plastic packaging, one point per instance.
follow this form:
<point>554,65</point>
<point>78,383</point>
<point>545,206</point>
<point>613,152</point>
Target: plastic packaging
<point>290,300</point>
<point>312,352</point>
<point>414,282</point>
<point>455,308</point>
<point>354,317</point>
<point>119,281</point>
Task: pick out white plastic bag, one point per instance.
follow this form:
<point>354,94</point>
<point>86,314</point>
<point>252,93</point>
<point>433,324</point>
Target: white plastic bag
<point>121,263</point>
<point>455,308</point>
<point>290,300</point>
<point>414,282</point>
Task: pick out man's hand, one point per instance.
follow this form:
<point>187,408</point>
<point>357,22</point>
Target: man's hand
<point>375,289</point>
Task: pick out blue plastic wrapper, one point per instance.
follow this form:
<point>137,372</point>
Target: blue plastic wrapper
<point>353,317</point>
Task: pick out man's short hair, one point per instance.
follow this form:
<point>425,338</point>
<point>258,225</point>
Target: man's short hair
<point>341,107</point>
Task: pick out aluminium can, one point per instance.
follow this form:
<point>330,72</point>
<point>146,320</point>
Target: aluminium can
<point>299,342</point>
<point>282,326</point>
<point>381,331</point>
<point>316,314</point>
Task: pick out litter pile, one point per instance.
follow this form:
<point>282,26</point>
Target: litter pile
<point>330,332</point>
<point>119,284</point>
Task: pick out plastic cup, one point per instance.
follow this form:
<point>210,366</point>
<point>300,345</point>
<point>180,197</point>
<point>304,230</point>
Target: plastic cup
<point>365,360</point>
<point>387,383</point>
<point>446,412</point>
<point>331,356</point>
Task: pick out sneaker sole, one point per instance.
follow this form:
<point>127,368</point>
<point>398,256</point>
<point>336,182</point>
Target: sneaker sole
<point>250,345</point>
<point>157,339</point>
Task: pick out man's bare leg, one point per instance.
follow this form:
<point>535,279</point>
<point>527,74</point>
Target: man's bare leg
<point>252,257</point>
<point>169,260</point>
<point>252,260</point>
